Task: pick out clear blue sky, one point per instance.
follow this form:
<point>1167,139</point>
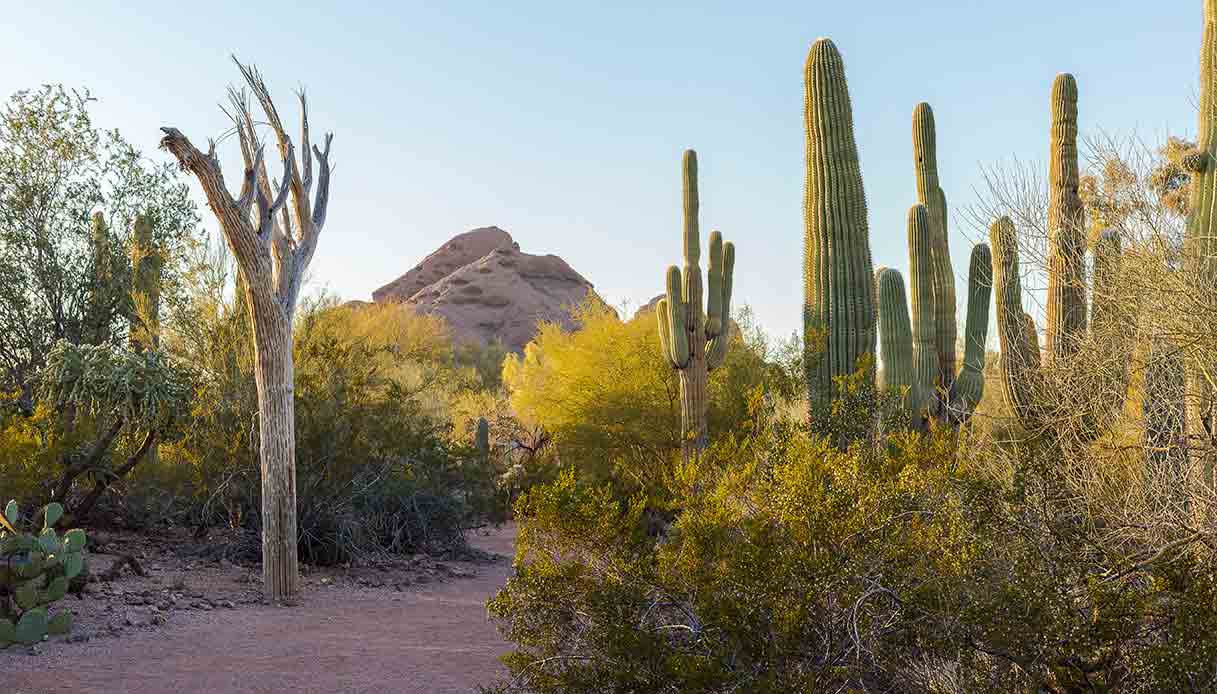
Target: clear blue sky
<point>564,122</point>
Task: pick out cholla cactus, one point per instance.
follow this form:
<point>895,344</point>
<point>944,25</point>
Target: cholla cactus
<point>694,341</point>
<point>34,573</point>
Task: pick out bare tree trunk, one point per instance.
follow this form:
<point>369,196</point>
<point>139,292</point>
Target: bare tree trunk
<point>272,239</point>
<point>274,375</point>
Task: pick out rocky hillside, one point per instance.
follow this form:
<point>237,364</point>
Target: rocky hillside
<point>487,288</point>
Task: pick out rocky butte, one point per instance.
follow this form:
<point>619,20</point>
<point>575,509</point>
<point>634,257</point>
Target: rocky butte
<point>487,289</point>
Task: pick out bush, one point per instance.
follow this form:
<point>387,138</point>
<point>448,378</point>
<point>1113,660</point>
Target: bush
<point>914,566</point>
<point>611,401</point>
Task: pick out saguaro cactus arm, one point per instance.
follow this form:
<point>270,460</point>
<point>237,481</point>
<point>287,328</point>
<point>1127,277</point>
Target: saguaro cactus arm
<point>1019,346</point>
<point>940,272</point>
<point>969,386</point>
<point>921,238</point>
<point>895,335</point>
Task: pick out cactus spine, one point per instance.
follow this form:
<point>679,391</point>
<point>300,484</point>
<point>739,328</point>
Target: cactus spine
<point>942,275</point>
<point>694,340</point>
<point>146,265</point>
<point>839,320</point>
<point>1066,310</point>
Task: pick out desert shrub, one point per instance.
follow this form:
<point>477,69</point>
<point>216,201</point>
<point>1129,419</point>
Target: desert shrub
<point>912,566</point>
<point>611,402</point>
<point>378,470</point>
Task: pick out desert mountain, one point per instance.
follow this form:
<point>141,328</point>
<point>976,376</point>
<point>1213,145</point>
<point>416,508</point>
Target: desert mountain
<point>487,289</point>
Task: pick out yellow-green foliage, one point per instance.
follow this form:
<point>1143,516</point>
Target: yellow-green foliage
<point>790,557</point>
<point>609,399</point>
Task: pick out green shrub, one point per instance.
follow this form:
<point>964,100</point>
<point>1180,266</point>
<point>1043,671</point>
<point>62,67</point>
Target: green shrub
<point>910,566</point>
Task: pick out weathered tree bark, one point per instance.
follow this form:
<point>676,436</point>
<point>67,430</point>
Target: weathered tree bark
<point>273,243</point>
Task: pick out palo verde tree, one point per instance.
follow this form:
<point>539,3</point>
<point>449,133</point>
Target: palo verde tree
<point>272,230</point>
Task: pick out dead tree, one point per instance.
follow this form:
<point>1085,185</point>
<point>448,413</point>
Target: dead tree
<point>272,229</point>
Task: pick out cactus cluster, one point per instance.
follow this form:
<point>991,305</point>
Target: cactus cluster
<point>1095,392</point>
<point>692,338</point>
<point>842,301</point>
<point>35,571</point>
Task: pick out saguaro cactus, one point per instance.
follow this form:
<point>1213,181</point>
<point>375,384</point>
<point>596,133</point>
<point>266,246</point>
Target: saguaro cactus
<point>481,439</point>
<point>939,270</point>
<point>97,320</point>
<point>1089,391</point>
<point>838,283</point>
<point>1066,310</point>
<point>926,398</point>
<point>146,265</point>
<point>1200,243</point>
<point>694,340</point>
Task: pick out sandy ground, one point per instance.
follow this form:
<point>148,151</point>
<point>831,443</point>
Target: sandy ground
<point>431,638</point>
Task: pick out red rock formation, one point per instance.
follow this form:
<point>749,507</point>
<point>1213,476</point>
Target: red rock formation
<point>487,289</point>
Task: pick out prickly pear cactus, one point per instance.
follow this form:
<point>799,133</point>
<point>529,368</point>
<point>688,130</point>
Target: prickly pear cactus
<point>35,571</point>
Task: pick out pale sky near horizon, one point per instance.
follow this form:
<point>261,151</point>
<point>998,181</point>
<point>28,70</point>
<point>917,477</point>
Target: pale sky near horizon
<point>563,123</point>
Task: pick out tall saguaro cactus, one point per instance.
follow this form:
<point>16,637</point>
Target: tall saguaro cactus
<point>939,271</point>
<point>1066,309</point>
<point>694,339</point>
<point>1091,390</point>
<point>838,282</point>
<point>1200,244</point>
<point>146,265</point>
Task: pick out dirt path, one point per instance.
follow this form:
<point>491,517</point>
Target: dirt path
<point>434,640</point>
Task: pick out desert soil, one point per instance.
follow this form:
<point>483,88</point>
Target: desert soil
<point>415,626</point>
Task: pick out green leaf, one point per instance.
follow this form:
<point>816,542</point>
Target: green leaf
<point>8,633</point>
<point>54,511</point>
